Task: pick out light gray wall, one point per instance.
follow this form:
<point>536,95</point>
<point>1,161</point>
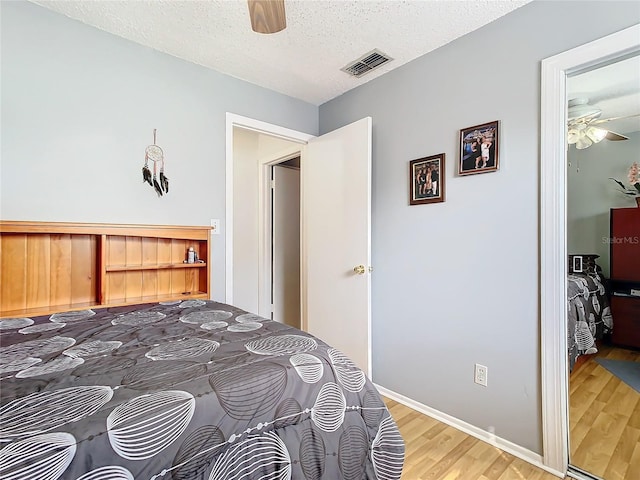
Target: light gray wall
<point>457,283</point>
<point>591,195</point>
<point>79,107</point>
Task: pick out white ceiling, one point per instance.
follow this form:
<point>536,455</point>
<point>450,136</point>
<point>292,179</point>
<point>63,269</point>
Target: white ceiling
<point>305,59</point>
<point>614,89</point>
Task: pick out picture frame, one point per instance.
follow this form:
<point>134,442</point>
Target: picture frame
<point>577,264</point>
<point>427,180</point>
<point>479,149</point>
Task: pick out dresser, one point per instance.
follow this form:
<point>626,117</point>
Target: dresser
<point>624,244</point>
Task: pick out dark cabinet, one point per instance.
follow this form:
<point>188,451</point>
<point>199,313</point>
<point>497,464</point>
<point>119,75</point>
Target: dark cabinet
<point>625,276</point>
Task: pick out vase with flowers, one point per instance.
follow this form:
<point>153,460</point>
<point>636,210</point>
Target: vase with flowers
<point>634,180</point>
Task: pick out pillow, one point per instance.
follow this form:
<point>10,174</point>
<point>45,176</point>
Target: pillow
<point>584,264</point>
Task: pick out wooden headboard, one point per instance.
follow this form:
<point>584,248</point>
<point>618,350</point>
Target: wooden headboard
<point>49,267</point>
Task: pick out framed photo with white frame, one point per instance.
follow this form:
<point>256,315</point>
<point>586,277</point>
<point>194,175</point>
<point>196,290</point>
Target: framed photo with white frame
<point>577,264</point>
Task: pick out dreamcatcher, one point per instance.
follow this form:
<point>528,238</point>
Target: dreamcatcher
<point>156,155</point>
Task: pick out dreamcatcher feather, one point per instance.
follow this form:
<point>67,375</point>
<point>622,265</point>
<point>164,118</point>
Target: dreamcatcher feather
<point>156,155</point>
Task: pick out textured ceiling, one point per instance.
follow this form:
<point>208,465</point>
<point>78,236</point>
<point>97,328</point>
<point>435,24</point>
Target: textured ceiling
<point>305,59</point>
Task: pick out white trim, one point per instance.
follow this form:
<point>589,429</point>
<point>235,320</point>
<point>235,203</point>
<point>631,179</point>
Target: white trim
<point>234,120</point>
<point>490,438</point>
<point>553,239</point>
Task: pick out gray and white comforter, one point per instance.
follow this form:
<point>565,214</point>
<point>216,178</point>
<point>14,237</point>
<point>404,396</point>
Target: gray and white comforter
<point>188,390</point>
<point>589,314</point>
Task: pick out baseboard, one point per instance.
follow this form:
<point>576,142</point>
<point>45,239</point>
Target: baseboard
<point>492,439</point>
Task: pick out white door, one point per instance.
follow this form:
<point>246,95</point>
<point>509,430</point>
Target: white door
<point>286,245</point>
<point>336,238</point>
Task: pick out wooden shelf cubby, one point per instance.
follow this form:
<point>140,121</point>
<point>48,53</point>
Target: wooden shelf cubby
<point>49,267</point>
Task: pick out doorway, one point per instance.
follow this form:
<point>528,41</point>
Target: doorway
<point>603,407</point>
<point>285,239</point>
<point>553,234</point>
<point>335,233</point>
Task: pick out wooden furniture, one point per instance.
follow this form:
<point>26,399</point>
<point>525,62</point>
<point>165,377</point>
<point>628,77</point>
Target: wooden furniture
<point>50,267</point>
<point>625,276</point>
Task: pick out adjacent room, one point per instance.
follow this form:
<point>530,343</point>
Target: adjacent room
<point>603,242</point>
<point>309,237</point>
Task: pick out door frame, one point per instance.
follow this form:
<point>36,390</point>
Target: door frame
<point>553,235</point>
<point>234,120</point>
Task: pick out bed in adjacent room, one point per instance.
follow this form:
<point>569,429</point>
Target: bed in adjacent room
<point>182,388</point>
<point>589,312</point>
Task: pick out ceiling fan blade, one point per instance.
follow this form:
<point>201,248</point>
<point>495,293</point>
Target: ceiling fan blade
<point>611,119</point>
<point>615,136</point>
<point>267,16</point>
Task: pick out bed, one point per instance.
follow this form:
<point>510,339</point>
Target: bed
<point>185,389</point>
<point>589,313</point>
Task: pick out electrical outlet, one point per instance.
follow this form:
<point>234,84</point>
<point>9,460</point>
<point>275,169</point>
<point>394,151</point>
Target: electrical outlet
<point>215,226</point>
<point>480,376</point>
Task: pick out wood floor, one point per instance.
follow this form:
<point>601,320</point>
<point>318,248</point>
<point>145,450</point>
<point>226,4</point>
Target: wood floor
<point>436,451</point>
<point>604,419</point>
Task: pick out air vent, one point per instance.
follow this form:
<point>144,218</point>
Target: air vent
<point>366,63</point>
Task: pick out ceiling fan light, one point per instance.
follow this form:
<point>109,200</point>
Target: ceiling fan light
<point>596,134</point>
<point>573,135</point>
<point>583,142</point>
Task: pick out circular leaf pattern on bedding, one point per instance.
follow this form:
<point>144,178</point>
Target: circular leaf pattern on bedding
<point>372,409</point>
<point>249,392</point>
<point>135,319</point>
<point>244,327</point>
<point>146,425</point>
<point>249,317</point>
<point>56,365</point>
<point>35,348</point>
<point>11,323</point>
<point>287,413</point>
<point>49,409</point>
<point>387,451</point>
<point>159,374</point>
<point>312,454</point>
<point>328,411</point>
<point>19,364</point>
<point>350,376</point>
<point>42,327</point>
<point>178,350</point>
<point>192,303</point>
<point>111,472</point>
<point>353,449</point>
<point>44,457</point>
<point>206,316</point>
<point>74,316</point>
<point>103,366</point>
<point>214,325</point>
<point>308,367</point>
<point>92,348</point>
<point>282,345</point>
<point>266,454</point>
<point>197,453</point>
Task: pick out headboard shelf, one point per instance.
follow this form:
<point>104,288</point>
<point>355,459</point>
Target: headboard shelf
<point>48,267</point>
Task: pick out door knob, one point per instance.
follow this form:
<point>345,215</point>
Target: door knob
<point>359,269</point>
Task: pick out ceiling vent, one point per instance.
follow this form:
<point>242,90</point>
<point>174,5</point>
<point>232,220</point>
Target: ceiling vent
<point>366,63</point>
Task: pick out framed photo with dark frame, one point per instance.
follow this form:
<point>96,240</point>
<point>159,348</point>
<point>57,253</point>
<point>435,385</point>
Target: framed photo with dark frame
<point>427,180</point>
<point>479,149</point>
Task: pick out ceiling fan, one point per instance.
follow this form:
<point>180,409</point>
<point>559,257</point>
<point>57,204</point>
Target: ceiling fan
<point>267,16</point>
<point>583,120</point>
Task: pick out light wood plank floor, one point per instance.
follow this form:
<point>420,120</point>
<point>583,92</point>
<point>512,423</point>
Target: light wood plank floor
<point>436,451</point>
<point>604,418</point>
